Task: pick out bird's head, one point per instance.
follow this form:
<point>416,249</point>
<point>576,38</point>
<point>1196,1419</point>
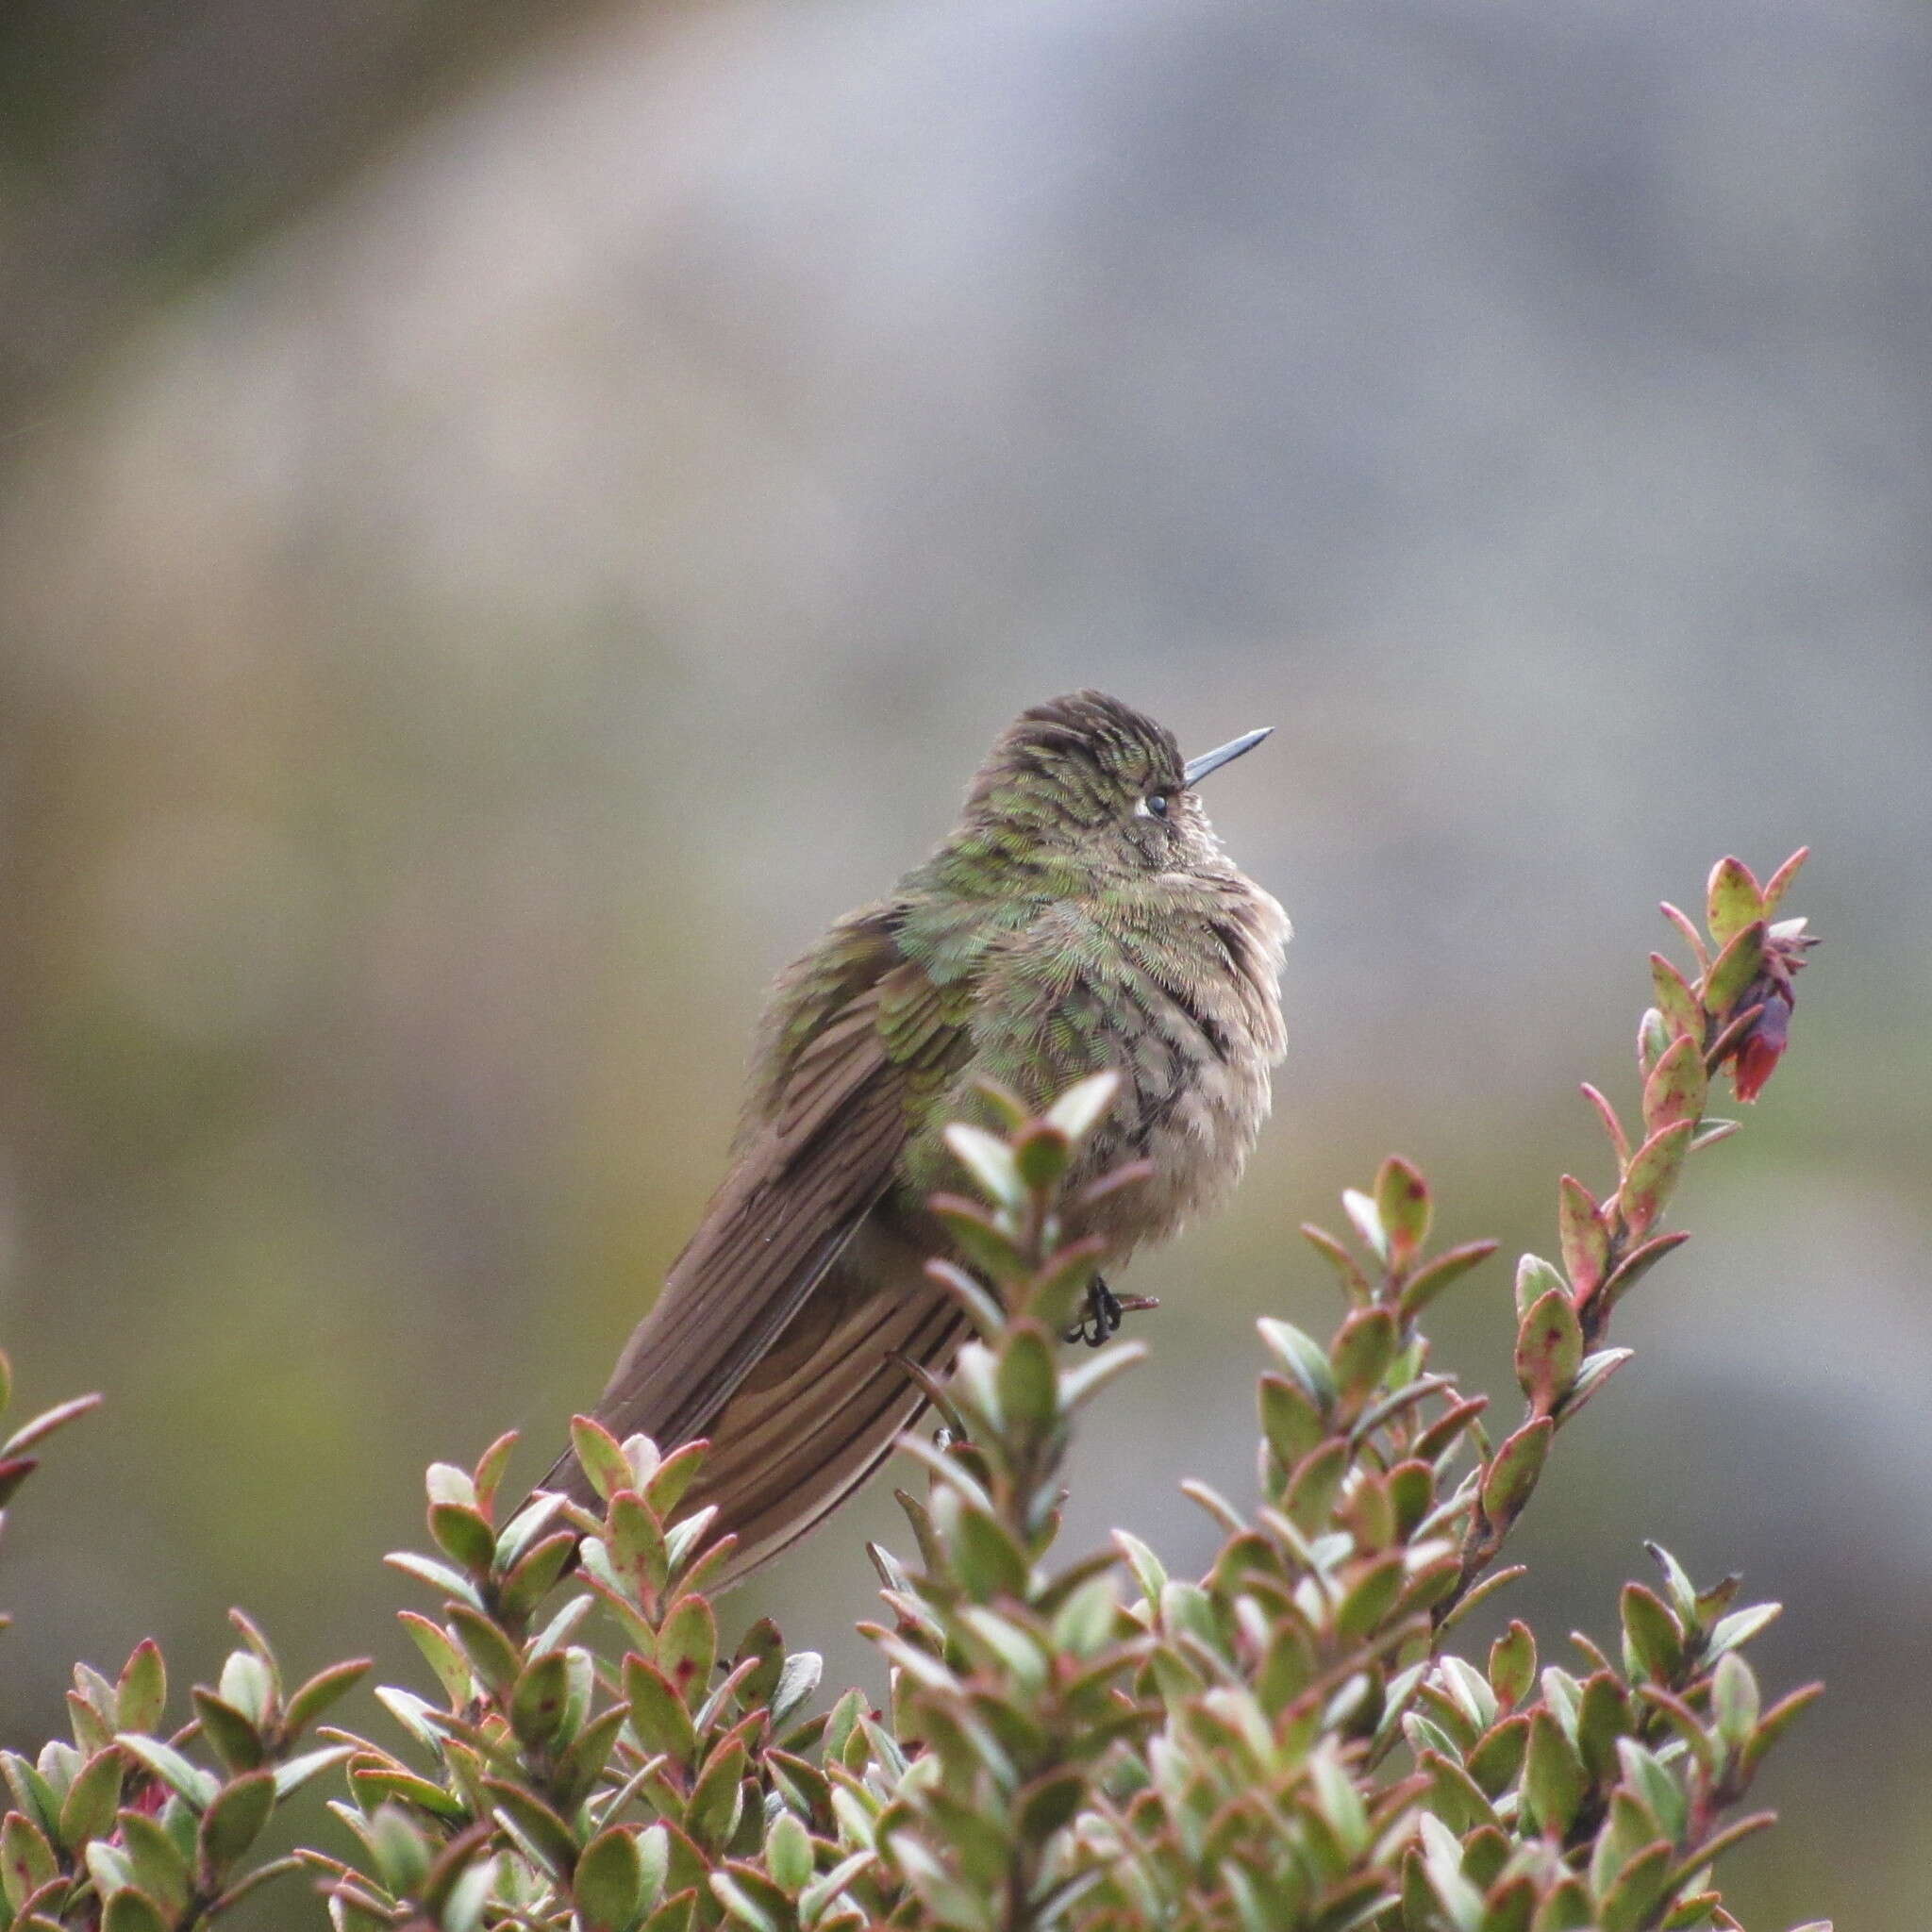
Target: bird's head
<point>1088,785</point>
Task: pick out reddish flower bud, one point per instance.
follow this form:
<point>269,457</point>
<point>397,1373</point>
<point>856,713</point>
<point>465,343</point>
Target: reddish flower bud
<point>1759,1051</point>
<point>1756,1050</point>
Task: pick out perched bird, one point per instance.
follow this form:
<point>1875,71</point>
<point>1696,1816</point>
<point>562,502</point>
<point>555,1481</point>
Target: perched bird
<point>1080,916</point>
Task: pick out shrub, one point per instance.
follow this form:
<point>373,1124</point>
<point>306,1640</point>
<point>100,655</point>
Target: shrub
<point>1292,1739</point>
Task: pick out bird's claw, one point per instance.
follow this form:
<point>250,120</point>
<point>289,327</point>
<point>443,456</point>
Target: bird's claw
<point>1101,1321</point>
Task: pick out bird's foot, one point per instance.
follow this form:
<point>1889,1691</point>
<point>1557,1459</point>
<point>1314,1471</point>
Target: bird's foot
<point>1103,1314</point>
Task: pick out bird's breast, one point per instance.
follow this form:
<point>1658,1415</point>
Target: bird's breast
<point>1197,991</point>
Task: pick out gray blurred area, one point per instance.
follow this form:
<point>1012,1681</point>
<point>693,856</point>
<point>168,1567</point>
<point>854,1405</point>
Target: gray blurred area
<point>478,600</point>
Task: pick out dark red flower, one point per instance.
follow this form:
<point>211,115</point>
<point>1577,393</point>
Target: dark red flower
<point>1769,999</point>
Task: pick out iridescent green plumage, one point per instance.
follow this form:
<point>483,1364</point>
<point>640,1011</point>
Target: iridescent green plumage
<point>1080,916</point>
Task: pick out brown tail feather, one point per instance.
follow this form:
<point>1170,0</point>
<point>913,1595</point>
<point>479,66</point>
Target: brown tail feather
<point>822,1411</point>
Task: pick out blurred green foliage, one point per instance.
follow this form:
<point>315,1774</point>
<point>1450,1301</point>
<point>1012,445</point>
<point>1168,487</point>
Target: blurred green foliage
<point>1293,1738</point>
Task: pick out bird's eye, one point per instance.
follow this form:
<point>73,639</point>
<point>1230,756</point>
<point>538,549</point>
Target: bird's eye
<point>1154,806</point>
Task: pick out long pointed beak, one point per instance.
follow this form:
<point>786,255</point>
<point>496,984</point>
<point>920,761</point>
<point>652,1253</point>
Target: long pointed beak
<point>1197,769</point>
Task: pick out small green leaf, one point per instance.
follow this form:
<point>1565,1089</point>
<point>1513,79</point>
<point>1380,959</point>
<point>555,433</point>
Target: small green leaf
<point>1653,1639</point>
<point>1028,1391</point>
<point>1652,1178</point>
<point>233,1737</point>
<point>235,1819</point>
<point>1549,1351</point>
<point>1371,1597</point>
<point>1536,1279</point>
<point>1733,900</point>
<point>535,1825</point>
<point>1584,1236</point>
<point>1592,1374</point>
<point>88,1809</point>
<point>463,1534</point>
<point>1449,1267</point>
<point>141,1694</point>
<point>321,1691</point>
<point>797,1681</point>
<point>1303,1357</point>
<point>539,1700</point>
<point>1733,971</point>
<point>1513,1664</point>
<point>608,1882</point>
<point>989,1161</point>
<point>1354,1283</point>
<point>687,1647</point>
<point>1042,1153</point>
<point>1740,1627</point>
<point>1081,1107</point>
<point>132,1911</point>
<point>658,1712</point>
<point>1639,1262</point>
<point>1364,1346</point>
<point>1674,999</point>
<point>1554,1780</point>
<point>196,1786</point>
<point>1653,1038</point>
<point>488,1476</point>
<point>1677,1087</point>
<point>27,1861</point>
<point>1780,881</point>
<point>1734,1700</point>
<point>788,1853</point>
<point>1367,1218</point>
<point>294,1772</point>
<point>1289,1419</point>
<point>600,1457</point>
<point>1630,1902</point>
<point>1513,1470</point>
<point>1403,1207</point>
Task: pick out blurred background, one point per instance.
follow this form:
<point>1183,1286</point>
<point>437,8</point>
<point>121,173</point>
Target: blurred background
<point>511,517</point>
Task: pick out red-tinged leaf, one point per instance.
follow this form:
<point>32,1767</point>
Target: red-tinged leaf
<point>1640,1887</point>
<point>1367,1220</point>
<point>1549,1350</point>
<point>1653,1038</point>
<point>1619,1143</point>
<point>1513,1470</point>
<point>1554,1780</point>
<point>14,1470</point>
<point>1653,1638</point>
<point>1688,926</point>
<point>1363,1347</point>
<point>1652,1177</point>
<point>1513,1664</point>
<point>1779,882</point>
<point>1676,1088</point>
<point>1583,1235</point>
<point>488,1476</point>
<point>1733,899</point>
<point>601,1457</point>
<point>1449,1267</point>
<point>1734,970</point>
<point>1402,1203</point>
<point>1337,1256</point>
<point>47,1421</point>
<point>1592,1374</point>
<point>1674,999</point>
<point>1449,1426</point>
<point>464,1536</point>
<point>1639,1262</point>
<point>1722,1841</point>
<point>141,1694</point>
<point>1777,1720</point>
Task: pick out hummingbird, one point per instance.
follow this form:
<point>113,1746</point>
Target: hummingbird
<point>1080,917</point>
